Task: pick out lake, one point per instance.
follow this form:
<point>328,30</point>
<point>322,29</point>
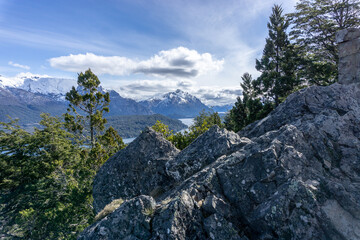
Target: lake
<point>187,121</point>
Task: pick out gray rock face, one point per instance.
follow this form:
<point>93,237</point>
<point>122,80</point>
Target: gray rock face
<point>138,169</point>
<point>349,55</point>
<point>203,151</point>
<point>117,226</point>
<point>292,175</point>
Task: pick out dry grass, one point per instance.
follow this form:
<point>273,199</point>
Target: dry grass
<point>109,209</point>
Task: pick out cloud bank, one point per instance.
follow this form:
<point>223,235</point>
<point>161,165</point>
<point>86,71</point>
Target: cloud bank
<point>179,62</point>
<point>19,65</point>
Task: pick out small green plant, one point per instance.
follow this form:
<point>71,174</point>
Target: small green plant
<point>201,124</point>
<point>149,211</point>
<point>111,207</point>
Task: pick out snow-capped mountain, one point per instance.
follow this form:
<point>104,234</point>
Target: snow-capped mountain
<point>43,84</point>
<point>26,96</point>
<point>177,104</point>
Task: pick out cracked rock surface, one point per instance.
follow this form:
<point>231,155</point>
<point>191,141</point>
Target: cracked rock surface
<point>293,175</point>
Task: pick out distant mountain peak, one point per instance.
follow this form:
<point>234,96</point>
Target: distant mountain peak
<point>175,104</point>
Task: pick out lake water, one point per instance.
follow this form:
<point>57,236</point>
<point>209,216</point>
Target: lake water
<point>128,140</point>
<point>186,121</point>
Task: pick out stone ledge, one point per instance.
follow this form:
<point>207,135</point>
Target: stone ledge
<point>347,35</point>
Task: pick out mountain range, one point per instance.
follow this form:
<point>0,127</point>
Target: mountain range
<point>26,96</point>
<point>178,104</point>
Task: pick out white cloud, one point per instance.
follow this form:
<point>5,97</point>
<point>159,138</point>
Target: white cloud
<point>216,96</point>
<point>179,62</point>
<point>99,64</point>
<point>18,65</point>
<point>144,89</point>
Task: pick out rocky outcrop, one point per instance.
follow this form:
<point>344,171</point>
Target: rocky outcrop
<point>349,55</point>
<point>136,170</point>
<point>202,152</point>
<point>120,224</point>
<point>293,175</point>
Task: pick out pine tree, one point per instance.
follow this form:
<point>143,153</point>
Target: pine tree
<point>315,23</point>
<point>277,67</point>
<point>235,120</point>
<point>90,101</point>
<point>247,109</point>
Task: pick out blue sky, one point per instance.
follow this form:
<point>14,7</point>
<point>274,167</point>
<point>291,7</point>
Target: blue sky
<point>139,48</point>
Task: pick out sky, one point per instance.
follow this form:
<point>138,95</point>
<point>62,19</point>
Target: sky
<point>139,48</point>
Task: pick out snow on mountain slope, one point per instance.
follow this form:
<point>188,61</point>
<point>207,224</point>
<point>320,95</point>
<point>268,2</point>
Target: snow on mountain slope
<point>175,104</point>
<point>43,84</point>
<point>179,97</point>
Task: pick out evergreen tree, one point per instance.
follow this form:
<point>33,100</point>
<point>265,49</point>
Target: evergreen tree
<point>235,119</point>
<point>90,101</point>
<point>277,67</point>
<point>315,23</point>
<point>45,184</point>
<point>247,109</point>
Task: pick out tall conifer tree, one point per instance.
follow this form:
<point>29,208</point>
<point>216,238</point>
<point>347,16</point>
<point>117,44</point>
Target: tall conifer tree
<point>91,101</point>
<point>278,71</point>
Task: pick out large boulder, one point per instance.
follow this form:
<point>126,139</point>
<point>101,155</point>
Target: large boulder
<point>203,151</point>
<point>349,55</point>
<point>120,223</point>
<point>138,169</point>
<point>292,175</point>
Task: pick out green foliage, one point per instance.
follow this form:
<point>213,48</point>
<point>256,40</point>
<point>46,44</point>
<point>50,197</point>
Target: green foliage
<point>315,23</point>
<point>131,126</point>
<point>247,109</point>
<point>278,63</point>
<point>46,176</point>
<point>92,102</point>
<point>206,120</point>
<point>201,124</point>
<point>163,129</point>
<point>111,141</point>
<point>45,183</point>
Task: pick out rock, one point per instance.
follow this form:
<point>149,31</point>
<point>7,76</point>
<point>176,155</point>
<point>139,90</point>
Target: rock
<point>120,223</point>
<point>218,228</point>
<point>213,204</point>
<point>203,151</point>
<point>293,175</point>
<point>349,55</point>
<point>348,34</point>
<point>180,218</point>
<point>138,169</point>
